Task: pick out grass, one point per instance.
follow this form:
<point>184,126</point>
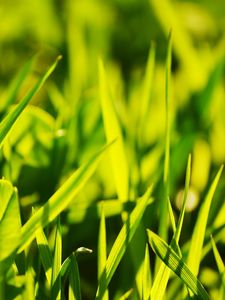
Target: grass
<point>113,189</point>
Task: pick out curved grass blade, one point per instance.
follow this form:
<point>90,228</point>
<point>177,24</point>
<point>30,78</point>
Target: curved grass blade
<point>122,241</point>
<point>102,255</point>
<point>60,200</point>
<point>177,265</point>
<point>113,131</point>
<point>7,123</point>
<point>194,256</point>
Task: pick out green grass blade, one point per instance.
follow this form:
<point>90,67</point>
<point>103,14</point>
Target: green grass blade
<point>171,214</point>
<point>194,256</point>
<point>102,255</point>
<point>10,223</point>
<point>113,131</point>
<point>123,239</point>
<point>220,266</point>
<point>7,123</point>
<point>45,254</point>
<point>127,295</point>
<point>147,279</point>
<point>60,200</point>
<point>74,280</point>
<point>177,265</point>
<point>57,261</point>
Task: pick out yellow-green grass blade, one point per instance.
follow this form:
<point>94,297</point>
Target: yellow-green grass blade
<point>9,120</point>
<point>127,295</point>
<point>45,254</point>
<point>220,266</point>
<point>10,223</point>
<point>60,200</point>
<point>177,265</point>
<point>123,239</point>
<point>194,256</point>
<point>57,261</point>
<point>113,131</point>
<point>102,255</point>
<point>171,214</point>
<point>74,280</point>
<point>189,58</point>
<point>147,279</point>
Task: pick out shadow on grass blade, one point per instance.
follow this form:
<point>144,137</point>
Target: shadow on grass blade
<point>177,265</point>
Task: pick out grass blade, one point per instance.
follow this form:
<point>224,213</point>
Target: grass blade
<point>10,223</point>
<point>102,255</point>
<point>45,254</point>
<point>147,280</point>
<point>177,265</point>
<point>194,257</point>
<point>162,277</point>
<point>57,261</point>
<point>220,266</point>
<point>74,280</point>
<point>123,239</point>
<point>7,123</point>
<point>60,200</point>
<point>113,131</point>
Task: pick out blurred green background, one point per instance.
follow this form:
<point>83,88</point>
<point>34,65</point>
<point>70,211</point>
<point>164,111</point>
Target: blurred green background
<point>64,126</point>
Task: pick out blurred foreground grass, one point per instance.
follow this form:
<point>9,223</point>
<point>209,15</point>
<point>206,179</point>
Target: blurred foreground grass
<point>111,85</point>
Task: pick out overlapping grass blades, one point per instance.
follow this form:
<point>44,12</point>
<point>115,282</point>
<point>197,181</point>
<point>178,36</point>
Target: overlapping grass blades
<point>120,245</point>
<point>177,265</point>
<point>194,256</point>
<point>162,277</point>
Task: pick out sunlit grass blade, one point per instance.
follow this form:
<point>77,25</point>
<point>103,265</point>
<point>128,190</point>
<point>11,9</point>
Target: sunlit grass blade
<point>220,266</point>
<point>113,131</point>
<point>102,255</point>
<point>177,265</point>
<point>45,254</point>
<point>171,214</point>
<point>74,280</point>
<point>60,200</point>
<point>7,123</point>
<point>127,295</point>
<point>194,256</point>
<point>10,223</point>
<point>123,239</point>
<point>57,261</point>
<point>147,279</point>
<point>29,291</point>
